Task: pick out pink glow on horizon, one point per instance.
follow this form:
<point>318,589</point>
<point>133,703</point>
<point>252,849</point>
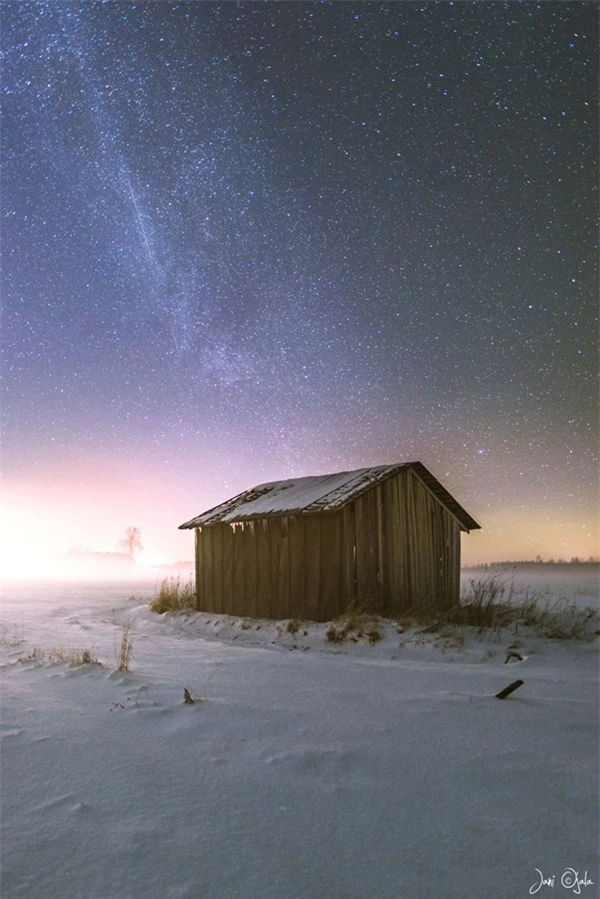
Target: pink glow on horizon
<point>43,520</point>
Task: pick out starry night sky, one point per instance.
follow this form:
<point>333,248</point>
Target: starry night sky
<point>246,241</point>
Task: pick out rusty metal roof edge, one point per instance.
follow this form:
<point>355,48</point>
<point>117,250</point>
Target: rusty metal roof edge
<point>196,522</point>
<point>215,515</point>
<point>207,517</point>
<point>385,472</point>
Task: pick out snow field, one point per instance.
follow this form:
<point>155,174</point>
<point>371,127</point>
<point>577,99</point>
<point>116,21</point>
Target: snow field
<point>350,772</point>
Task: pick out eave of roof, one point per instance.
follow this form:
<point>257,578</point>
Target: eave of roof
<point>319,493</point>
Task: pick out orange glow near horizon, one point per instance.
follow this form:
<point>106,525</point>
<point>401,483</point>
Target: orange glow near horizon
<point>526,533</point>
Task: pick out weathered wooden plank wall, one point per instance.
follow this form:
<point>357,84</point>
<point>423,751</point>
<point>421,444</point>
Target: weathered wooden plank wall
<point>392,545</point>
<point>275,537</point>
<point>348,555</point>
<point>198,572</point>
<point>313,592</point>
<point>263,570</point>
<point>249,533</point>
<point>433,549</point>
<point>282,599</point>
<point>330,567</point>
<point>227,568</point>
<point>297,564</point>
<point>395,547</point>
<point>239,575</point>
<point>217,568</point>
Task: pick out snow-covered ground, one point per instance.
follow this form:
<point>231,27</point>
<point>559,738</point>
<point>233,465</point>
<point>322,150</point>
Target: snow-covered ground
<point>305,769</point>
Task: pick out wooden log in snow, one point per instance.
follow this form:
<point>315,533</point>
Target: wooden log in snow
<point>510,689</point>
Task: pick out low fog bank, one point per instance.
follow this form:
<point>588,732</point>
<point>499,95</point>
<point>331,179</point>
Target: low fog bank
<point>578,583</point>
<point>69,570</point>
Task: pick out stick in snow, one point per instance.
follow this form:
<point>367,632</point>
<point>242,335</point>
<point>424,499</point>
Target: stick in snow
<point>508,690</point>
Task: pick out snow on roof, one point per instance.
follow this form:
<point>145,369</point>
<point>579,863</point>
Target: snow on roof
<point>318,493</point>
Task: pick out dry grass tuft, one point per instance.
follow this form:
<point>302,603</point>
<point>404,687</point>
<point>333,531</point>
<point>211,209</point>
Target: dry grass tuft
<point>335,635</point>
<point>493,604</point>
<point>36,655</point>
<point>373,634</point>
<point>293,626</point>
<point>124,654</point>
<point>61,655</point>
<point>359,621</point>
<point>173,595</point>
<point>72,656</point>
<point>16,637</point>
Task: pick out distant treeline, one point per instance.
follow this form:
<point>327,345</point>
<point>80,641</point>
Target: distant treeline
<point>538,561</point>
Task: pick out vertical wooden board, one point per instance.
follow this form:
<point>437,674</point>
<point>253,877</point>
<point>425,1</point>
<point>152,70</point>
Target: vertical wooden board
<point>283,572</point>
<point>392,553</point>
<point>373,584</point>
<point>348,540</point>
<point>217,567</point>
<point>384,537</point>
<point>436,530</point>
<point>437,537</point>
<point>447,568</point>
<point>422,550</point>
<point>204,561</point>
<point>199,585</point>
<point>429,546</point>
<point>400,545</point>
<point>263,569</point>
<point>239,571</point>
<point>227,570</point>
<point>207,570</point>
<point>445,576</point>
<point>391,574</point>
<point>275,537</point>
<point>449,531</point>
<point>297,562</point>
<point>441,556</point>
<point>413,558</point>
<point>330,577</point>
<point>454,576</point>
<point>312,567</point>
<point>363,541</point>
<point>408,600</point>
<point>425,546</point>
<point>251,563</point>
<point>380,541</point>
<point>433,552</point>
<point>361,547</point>
<point>370,551</point>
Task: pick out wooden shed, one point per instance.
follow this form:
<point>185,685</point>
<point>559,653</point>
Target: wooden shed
<point>310,547</point>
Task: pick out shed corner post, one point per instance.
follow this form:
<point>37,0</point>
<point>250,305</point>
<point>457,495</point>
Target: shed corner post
<point>198,566</point>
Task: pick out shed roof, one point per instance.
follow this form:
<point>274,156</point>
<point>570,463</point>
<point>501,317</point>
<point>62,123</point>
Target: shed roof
<point>319,493</point>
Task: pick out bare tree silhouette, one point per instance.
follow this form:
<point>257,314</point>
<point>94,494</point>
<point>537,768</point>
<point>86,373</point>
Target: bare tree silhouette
<point>132,541</point>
